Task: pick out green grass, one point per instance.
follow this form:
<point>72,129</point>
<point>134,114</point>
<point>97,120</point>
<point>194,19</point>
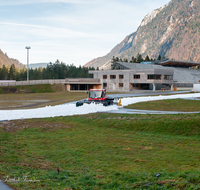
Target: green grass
<point>103,151</point>
<point>168,105</point>
<point>38,88</point>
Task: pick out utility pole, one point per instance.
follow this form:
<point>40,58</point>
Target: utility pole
<point>28,47</point>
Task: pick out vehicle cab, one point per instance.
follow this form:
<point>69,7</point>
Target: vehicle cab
<point>97,94</point>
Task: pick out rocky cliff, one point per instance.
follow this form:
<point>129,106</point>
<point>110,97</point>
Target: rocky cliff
<point>172,31</point>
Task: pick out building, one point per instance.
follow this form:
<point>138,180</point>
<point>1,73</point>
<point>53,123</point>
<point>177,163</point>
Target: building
<point>153,76</point>
<point>126,80</point>
<point>160,75</point>
<point>78,84</point>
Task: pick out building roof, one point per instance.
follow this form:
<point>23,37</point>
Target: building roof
<point>126,65</point>
<point>173,63</point>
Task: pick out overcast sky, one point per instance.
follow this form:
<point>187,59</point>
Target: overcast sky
<point>73,31</point>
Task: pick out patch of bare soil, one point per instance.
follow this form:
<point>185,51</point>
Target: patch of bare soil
<point>15,125</point>
<point>29,104</point>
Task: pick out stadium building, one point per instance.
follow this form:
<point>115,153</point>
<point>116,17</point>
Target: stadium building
<point>160,75</point>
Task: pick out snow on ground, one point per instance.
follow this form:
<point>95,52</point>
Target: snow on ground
<point>133,100</point>
<point>71,109</point>
<point>53,111</point>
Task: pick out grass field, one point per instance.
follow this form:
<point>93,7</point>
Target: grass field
<point>34,100</point>
<point>168,105</point>
<point>102,151</point>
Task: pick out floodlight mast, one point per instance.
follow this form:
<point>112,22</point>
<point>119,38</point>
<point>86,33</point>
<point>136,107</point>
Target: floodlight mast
<point>28,47</point>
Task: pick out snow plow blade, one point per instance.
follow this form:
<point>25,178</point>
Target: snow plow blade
<point>120,102</point>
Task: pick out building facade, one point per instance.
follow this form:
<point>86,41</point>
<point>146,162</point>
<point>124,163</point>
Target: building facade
<point>137,79</point>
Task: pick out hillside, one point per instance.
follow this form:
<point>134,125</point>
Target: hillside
<point>172,31</point>
<point>5,60</point>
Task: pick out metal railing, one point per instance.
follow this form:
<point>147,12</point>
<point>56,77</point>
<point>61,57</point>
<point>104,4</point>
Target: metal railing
<point>82,80</point>
<point>32,82</point>
<point>51,81</point>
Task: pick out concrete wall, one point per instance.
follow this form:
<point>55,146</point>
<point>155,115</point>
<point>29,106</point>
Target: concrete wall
<point>128,79</point>
<point>196,88</point>
<point>68,87</point>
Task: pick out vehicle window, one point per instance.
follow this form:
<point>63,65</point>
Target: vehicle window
<point>95,94</point>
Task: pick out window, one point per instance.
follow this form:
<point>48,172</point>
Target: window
<point>136,76</point>
<point>112,76</point>
<point>154,77</point>
<point>104,76</point>
<point>121,76</point>
<point>168,77</point>
<point>104,85</point>
<point>95,94</point>
<point>121,84</point>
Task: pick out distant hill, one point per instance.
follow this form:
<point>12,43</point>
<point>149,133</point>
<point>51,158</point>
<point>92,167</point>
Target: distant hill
<point>5,60</point>
<point>172,31</point>
<point>37,65</point>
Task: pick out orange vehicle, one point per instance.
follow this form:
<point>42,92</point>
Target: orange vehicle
<point>98,96</point>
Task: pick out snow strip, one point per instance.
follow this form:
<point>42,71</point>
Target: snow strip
<point>53,111</point>
<point>71,109</point>
<point>133,100</point>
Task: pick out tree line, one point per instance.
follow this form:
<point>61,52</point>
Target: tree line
<point>137,59</point>
<point>57,70</point>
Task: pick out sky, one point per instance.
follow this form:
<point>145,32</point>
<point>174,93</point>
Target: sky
<point>72,31</point>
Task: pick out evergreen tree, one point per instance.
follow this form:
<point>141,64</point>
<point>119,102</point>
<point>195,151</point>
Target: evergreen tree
<point>147,58</point>
<point>125,60</point>
<point>12,72</point>
<point>4,73</point>
<point>133,60</point>
<point>113,63</point>
<point>159,57</point>
<point>52,71</point>
<point>139,58</point>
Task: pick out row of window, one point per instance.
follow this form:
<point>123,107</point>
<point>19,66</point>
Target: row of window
<point>159,77</point>
<point>120,85</point>
<point>149,77</point>
<point>113,76</point>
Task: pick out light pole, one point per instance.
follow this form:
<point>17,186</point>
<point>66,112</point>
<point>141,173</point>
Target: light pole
<point>28,47</point>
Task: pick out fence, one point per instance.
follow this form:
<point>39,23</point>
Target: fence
<point>82,80</point>
<point>52,81</point>
<point>32,82</point>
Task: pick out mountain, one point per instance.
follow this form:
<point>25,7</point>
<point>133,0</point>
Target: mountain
<point>37,65</point>
<point>172,31</point>
<point>5,60</point>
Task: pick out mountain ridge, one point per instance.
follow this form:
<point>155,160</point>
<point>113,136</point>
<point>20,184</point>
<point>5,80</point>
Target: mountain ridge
<point>5,60</point>
<point>172,30</point>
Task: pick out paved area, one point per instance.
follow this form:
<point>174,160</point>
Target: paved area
<point>147,93</point>
<point>135,111</point>
<point>150,93</point>
<point>3,186</point>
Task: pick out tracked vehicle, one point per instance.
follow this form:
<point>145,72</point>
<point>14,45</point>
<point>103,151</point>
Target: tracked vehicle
<point>98,96</point>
